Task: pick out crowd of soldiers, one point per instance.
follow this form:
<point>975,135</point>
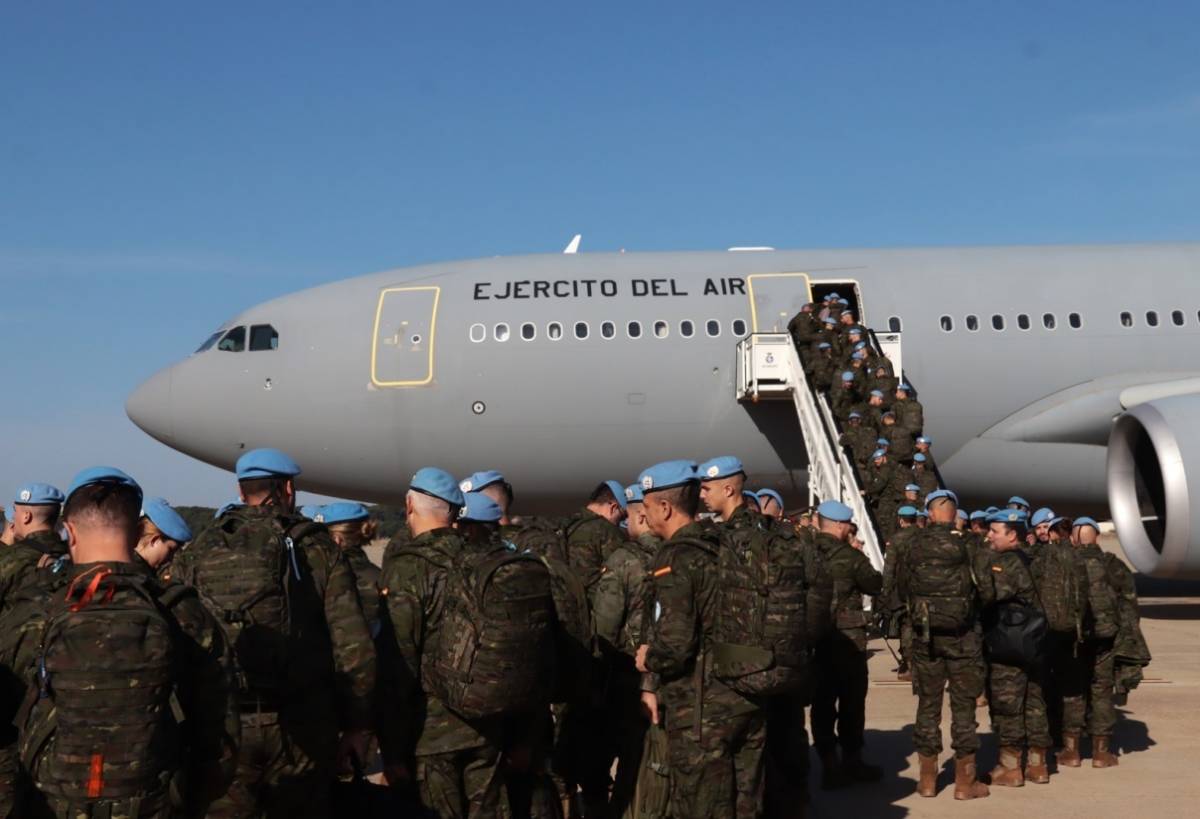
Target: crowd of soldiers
<point>666,651</point>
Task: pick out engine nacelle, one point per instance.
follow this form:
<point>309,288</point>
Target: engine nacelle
<point>1153,473</point>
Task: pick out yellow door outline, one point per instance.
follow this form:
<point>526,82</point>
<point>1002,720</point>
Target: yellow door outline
<point>750,291</point>
<point>437,294</point>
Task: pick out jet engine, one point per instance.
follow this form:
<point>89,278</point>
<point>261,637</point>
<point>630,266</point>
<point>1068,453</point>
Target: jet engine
<point>1153,477</point>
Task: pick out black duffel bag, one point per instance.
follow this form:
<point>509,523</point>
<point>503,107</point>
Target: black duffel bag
<point>1016,636</point>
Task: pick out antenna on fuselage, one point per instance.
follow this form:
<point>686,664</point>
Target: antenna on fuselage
<point>573,245</point>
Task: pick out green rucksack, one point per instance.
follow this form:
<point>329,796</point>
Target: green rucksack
<point>937,582</point>
<point>574,634</point>
<point>1101,619</point>
<point>1054,572</point>
<point>495,651</point>
<point>820,615</point>
<point>760,640</point>
<point>101,722</point>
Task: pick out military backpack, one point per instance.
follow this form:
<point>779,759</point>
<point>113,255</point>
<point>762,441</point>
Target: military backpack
<point>101,721</point>
<point>495,652</point>
<point>574,634</point>
<point>760,637</point>
<point>821,604</point>
<point>1101,619</point>
<point>937,582</point>
<point>1056,579</point>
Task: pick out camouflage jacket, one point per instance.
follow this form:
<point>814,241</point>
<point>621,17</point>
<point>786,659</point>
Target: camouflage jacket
<point>926,479</point>
<point>889,596</point>
<point>853,577</point>
<point>19,562</point>
<point>415,577</point>
<point>861,441</point>
<point>910,415</point>
<point>1004,577</point>
<point>618,604</point>
<point>885,485</point>
<point>366,579</point>
<point>590,538</point>
<point>335,654</point>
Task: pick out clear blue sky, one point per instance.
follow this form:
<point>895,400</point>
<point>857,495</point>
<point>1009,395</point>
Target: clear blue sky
<point>163,166</point>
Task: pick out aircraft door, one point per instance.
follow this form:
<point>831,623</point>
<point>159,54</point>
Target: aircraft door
<point>774,299</point>
<point>405,325</point>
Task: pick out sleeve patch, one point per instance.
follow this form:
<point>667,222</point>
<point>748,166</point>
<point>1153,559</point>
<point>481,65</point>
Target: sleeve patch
<point>663,572</point>
<point>997,569</point>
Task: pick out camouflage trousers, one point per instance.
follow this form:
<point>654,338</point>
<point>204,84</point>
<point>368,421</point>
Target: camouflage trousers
<point>936,661</point>
<point>1087,688</point>
<point>719,775</point>
<point>465,784</point>
<point>624,740</point>
<point>840,701</point>
<point>787,762</point>
<point>284,770</point>
<point>10,780</point>
<point>1017,708</point>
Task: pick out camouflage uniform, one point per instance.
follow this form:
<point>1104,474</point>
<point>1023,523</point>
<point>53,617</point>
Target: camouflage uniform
<point>1014,693</point>
<point>885,489</point>
<point>940,658</point>
<point>458,762</point>
<point>923,477</point>
<point>210,725</point>
<point>716,756</point>
<point>366,580</point>
<point>841,657</point>
<point>910,415</point>
<point>290,734</point>
<point>861,441</point>
<point>898,626</point>
<point>590,538</point>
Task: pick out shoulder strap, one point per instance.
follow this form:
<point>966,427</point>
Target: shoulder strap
<point>698,543</point>
<point>303,528</point>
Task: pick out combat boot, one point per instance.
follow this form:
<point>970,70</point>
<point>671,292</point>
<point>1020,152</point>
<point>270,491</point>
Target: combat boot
<point>904,672</point>
<point>859,771</point>
<point>927,784</point>
<point>1069,757</point>
<point>1036,770</point>
<point>966,785</point>
<point>833,776</point>
<point>1101,756</point>
<point>1008,772</point>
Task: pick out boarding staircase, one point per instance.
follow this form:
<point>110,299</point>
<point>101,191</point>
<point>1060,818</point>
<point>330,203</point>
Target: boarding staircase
<point>769,369</point>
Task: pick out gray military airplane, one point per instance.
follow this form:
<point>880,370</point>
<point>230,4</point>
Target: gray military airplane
<point>564,369</point>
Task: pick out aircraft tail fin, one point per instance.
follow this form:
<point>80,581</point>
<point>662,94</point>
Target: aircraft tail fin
<point>573,246</point>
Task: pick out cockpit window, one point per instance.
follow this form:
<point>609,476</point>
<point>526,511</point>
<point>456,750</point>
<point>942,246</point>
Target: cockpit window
<point>209,342</point>
<point>263,337</point>
<point>234,341</point>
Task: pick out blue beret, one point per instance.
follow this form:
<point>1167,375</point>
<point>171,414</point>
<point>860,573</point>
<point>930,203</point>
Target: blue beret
<point>962,513</point>
<point>167,520</point>
<point>38,494</point>
<point>667,475</point>
<point>856,415</point>
<point>770,494</point>
<point>921,513</point>
<point>858,355</point>
<point>1058,520</point>
<point>938,495</point>
<point>724,466</point>
<point>906,512</point>
<point>979,514</point>
<point>266,463</point>
<point>835,511</point>
<point>633,494</point>
<point>481,479</point>
<point>888,414</point>
<point>877,393</point>
<point>483,509</point>
<point>903,386</point>
<point>437,483</point>
<point>919,458</point>
<point>883,442</point>
<point>1086,522</point>
<point>921,439</point>
<point>1012,517</point>
<point>1041,516</point>
<point>856,330</point>
<point>829,320</point>
<point>847,376</point>
<point>310,510</point>
<point>991,510</point>
<point>824,345</point>
<point>231,505</point>
<point>342,512</point>
<point>879,453</point>
<point>748,495</point>
<point>912,487</point>
<point>862,345</point>
<point>1017,499</point>
<point>833,296</point>
<point>101,474</point>
<point>618,492</point>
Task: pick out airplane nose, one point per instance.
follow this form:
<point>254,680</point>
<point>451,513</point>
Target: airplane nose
<point>149,406</point>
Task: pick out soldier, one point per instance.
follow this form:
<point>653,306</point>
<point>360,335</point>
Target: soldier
<point>35,513</point>
<point>960,522</point>
<point>619,609</point>
<point>876,404</point>
<point>303,654</point>
<point>934,579</point>
<point>923,444</point>
<point>1040,521</point>
<point>859,439</point>
<point>840,656</point>
<point>820,365</point>
<point>884,485</point>
<point>135,716</point>
<point>900,442</point>
<point>715,736</point>
<point>163,533</point>
<point>351,528</point>
<point>1018,503</point>
<point>909,413</point>
<point>897,625</point>
<point>1014,690</point>
<point>770,503</point>
<point>979,523</point>
<point>844,399</point>
<point>593,532</point>
<point>922,476</point>
<point>804,327</point>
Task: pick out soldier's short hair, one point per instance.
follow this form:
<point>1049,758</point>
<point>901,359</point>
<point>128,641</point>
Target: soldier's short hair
<point>685,498</point>
<point>1015,526</point>
<point>602,494</point>
<point>107,504</point>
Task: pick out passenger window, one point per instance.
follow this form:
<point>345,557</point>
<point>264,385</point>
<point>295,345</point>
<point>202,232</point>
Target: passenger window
<point>687,329</point>
<point>739,327</point>
<point>997,322</point>
<point>660,329</point>
<point>234,341</point>
<point>894,324</point>
<point>208,342</point>
<point>554,331</point>
<point>478,333</point>
<point>1152,318</point>
<point>1177,317</point>
<point>634,329</point>
<point>713,327</point>
<point>1023,321</point>
<point>581,330</point>
<point>1127,319</point>
<point>608,329</point>
<point>947,324</point>
<point>1075,321</point>
<point>1049,321</point>
<point>528,331</point>
<point>500,332</point>
<point>972,323</point>
<point>263,337</point>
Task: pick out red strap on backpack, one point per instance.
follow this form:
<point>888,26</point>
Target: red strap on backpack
<point>89,593</point>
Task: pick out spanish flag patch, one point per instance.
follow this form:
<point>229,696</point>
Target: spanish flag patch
<point>663,572</point>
